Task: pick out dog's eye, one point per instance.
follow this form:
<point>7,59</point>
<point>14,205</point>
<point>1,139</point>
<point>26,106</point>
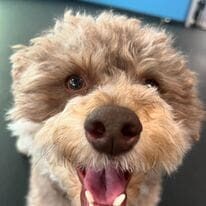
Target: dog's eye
<point>75,82</point>
<point>151,83</point>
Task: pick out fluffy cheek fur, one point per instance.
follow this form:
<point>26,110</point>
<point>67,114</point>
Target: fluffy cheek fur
<point>25,131</point>
<point>162,143</point>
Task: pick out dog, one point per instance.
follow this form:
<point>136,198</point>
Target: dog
<point>105,107</point>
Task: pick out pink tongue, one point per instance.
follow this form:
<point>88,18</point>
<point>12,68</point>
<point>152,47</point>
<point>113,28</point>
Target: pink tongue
<point>105,185</point>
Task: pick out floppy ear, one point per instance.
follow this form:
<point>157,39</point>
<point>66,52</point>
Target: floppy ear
<point>198,125</point>
<point>19,61</point>
<point>196,110</point>
<point>196,137</point>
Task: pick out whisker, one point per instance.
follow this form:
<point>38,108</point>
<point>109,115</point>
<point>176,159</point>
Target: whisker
<point>48,150</point>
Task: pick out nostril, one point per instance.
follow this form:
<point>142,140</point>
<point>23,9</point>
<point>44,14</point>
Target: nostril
<point>130,130</point>
<point>95,129</point>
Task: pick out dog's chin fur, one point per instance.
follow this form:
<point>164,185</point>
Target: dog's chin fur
<point>115,56</point>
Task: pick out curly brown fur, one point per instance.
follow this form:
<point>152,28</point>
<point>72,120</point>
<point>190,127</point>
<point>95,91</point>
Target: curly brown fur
<point>115,55</point>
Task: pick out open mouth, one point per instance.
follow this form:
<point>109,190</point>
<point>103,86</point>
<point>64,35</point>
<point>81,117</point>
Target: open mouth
<point>106,187</point>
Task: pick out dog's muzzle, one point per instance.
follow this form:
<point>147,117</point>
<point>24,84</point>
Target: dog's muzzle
<point>112,130</point>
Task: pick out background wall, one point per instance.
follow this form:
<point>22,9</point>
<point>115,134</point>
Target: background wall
<point>172,9</point>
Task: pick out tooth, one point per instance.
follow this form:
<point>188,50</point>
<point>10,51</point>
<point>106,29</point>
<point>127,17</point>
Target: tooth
<point>119,200</point>
<point>89,197</point>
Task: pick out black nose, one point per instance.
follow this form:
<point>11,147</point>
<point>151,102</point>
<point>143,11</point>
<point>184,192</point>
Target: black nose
<point>112,129</point>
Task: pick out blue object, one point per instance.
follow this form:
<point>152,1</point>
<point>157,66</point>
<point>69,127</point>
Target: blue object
<point>172,9</point>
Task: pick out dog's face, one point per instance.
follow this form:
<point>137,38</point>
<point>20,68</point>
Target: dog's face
<point>115,100</point>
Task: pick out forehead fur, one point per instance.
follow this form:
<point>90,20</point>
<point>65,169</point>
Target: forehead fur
<point>105,41</point>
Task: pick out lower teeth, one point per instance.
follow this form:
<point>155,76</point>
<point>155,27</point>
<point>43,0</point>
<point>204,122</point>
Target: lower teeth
<point>89,197</point>
<point>119,200</point>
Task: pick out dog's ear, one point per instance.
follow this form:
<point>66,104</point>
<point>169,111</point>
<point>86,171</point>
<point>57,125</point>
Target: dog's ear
<point>19,61</point>
<point>196,137</point>
<point>196,110</point>
<point>202,117</point>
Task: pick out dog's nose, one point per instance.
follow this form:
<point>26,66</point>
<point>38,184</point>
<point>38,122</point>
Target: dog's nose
<point>112,129</point>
